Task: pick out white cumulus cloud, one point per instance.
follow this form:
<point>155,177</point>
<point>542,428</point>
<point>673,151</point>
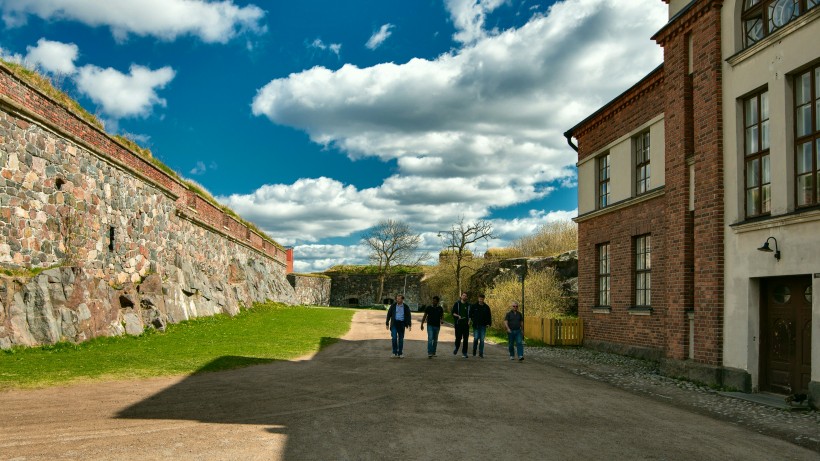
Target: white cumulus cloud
<point>54,57</point>
<point>481,127</point>
<point>211,21</point>
<point>124,95</point>
<point>468,17</point>
<point>379,36</point>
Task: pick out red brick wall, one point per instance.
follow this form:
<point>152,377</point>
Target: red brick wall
<point>619,229</point>
<point>687,254</point>
<point>44,108</point>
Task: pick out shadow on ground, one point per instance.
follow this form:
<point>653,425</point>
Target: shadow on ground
<point>330,407</point>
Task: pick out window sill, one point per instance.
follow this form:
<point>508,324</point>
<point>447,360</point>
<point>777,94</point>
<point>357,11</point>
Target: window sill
<point>601,309</point>
<point>773,38</point>
<point>643,310</point>
<point>803,215</point>
<point>657,192</point>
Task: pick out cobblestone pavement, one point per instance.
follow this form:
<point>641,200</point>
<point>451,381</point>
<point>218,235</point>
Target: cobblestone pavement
<point>643,377</point>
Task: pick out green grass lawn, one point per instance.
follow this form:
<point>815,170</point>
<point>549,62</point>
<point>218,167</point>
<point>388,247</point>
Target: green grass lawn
<point>262,334</point>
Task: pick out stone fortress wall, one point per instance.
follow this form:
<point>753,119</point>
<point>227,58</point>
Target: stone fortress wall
<point>123,244</point>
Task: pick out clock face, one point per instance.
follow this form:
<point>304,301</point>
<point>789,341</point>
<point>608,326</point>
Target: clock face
<point>781,12</point>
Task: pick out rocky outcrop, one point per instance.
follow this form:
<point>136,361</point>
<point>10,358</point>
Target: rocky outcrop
<point>565,266</point>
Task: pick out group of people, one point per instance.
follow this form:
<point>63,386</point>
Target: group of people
<point>464,314</point>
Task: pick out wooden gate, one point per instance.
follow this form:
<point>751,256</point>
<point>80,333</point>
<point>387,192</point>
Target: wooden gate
<point>785,357</point>
<point>555,332</point>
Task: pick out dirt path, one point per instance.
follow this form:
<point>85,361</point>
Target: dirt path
<point>352,401</point>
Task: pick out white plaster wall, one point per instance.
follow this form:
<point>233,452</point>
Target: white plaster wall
<point>586,187</point>
<point>798,235</point>
<point>677,5</point>
<point>622,167</point>
<point>657,155</point>
<point>621,171</point>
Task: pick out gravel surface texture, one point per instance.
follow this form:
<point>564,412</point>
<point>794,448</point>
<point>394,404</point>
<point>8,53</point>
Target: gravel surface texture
<point>801,427</point>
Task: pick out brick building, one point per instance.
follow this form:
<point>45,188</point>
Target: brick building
<point>685,175</point>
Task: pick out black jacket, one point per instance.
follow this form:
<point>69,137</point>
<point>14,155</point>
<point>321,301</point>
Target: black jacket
<point>462,309</point>
<point>481,315</point>
<point>391,315</point>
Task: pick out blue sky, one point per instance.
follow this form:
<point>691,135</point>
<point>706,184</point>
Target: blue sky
<point>315,119</point>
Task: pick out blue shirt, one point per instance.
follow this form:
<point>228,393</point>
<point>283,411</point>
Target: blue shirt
<point>400,312</point>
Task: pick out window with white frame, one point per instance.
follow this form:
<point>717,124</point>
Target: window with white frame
<point>643,270</point>
<point>603,180</point>
<point>756,149</point>
<point>603,275</point>
<point>807,137</point>
<point>640,145</point>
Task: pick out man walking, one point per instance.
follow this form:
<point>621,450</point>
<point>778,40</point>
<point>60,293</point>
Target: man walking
<point>398,318</point>
<point>482,317</point>
<point>461,317</point>
<point>433,315</point>
<point>514,322</point>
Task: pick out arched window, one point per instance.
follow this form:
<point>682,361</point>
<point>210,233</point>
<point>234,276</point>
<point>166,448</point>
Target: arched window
<point>763,17</point>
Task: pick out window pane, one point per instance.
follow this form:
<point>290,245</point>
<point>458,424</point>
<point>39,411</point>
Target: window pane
<point>804,157</point>
<point>803,120</point>
<point>751,140</point>
<point>752,167</point>
<point>648,284</point>
<point>766,171</point>
<point>764,105</point>
<point>817,113</point>
<point>754,31</point>
<point>751,201</point>
<point>766,206</point>
<point>750,3</point>
<point>751,111</point>
<point>802,89</point>
<point>804,189</point>
<point>812,3</point>
<point>764,135</point>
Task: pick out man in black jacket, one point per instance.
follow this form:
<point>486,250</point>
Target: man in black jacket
<point>482,317</point>
<point>461,318</point>
<point>398,318</point>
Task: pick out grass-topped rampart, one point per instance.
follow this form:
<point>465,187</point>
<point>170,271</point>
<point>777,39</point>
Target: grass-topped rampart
<point>375,270</point>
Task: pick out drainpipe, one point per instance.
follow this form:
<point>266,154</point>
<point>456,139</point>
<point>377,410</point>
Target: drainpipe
<point>568,135</point>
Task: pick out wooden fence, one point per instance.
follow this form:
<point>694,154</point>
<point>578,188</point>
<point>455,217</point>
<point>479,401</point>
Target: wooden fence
<point>555,332</point>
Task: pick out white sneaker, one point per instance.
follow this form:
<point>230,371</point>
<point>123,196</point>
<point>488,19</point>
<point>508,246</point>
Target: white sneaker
<point>512,358</point>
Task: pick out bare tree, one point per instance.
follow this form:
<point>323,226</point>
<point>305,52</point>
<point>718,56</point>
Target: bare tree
<point>459,238</point>
<point>392,243</point>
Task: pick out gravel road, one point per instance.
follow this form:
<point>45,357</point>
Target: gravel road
<point>352,401</point>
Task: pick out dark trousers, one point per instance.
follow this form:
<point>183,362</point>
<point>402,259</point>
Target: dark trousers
<point>462,335</point>
<point>397,336</point>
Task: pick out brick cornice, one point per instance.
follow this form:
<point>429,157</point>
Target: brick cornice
<point>683,21</point>
<point>624,100</point>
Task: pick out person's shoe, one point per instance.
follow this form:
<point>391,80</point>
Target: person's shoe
<point>394,355</point>
<point>429,356</point>
<point>521,359</point>
<point>481,356</point>
<point>434,355</point>
<point>465,356</point>
<point>512,358</point>
<point>455,351</point>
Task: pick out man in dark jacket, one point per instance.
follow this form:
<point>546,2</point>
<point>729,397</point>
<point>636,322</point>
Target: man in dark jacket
<point>398,318</point>
<point>433,315</point>
<point>482,317</point>
<point>461,318</point>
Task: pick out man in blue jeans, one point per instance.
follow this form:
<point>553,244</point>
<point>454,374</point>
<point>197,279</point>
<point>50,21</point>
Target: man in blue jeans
<point>433,315</point>
<point>514,322</point>
<point>481,317</point>
<point>398,318</point>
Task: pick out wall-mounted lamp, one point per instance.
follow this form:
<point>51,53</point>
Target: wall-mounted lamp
<point>766,248</point>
